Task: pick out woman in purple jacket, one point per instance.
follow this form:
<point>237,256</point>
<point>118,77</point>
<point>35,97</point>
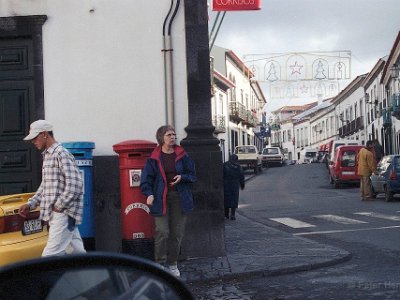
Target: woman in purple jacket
<point>166,182</point>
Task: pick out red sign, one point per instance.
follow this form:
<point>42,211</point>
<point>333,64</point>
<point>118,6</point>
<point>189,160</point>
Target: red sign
<point>225,5</point>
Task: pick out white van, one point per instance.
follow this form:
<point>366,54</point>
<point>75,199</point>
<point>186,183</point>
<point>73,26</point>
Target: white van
<point>308,155</point>
<point>338,143</point>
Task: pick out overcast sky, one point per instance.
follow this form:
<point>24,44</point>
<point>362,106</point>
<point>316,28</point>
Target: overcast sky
<point>368,28</point>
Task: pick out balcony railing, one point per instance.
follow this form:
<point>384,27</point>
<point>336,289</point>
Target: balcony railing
<point>396,106</point>
<point>239,113</point>
<point>351,127</point>
<point>219,123</point>
<point>250,120</point>
<point>386,117</point>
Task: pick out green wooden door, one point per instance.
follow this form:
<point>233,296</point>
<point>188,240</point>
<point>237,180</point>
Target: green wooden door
<point>19,161</point>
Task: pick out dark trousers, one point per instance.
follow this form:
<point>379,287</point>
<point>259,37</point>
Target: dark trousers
<point>169,231</point>
<point>232,209</point>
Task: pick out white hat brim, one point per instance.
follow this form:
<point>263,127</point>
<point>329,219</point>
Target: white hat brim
<point>31,136</point>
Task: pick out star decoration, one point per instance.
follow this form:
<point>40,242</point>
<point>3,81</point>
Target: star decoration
<point>303,89</point>
<point>296,68</point>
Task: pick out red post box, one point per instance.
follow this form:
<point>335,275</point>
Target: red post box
<point>137,222</point>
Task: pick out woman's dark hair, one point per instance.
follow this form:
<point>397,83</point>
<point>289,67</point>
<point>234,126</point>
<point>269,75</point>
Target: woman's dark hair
<point>161,132</point>
<point>233,158</point>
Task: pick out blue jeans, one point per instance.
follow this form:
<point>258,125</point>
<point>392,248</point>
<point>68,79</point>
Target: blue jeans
<point>169,231</point>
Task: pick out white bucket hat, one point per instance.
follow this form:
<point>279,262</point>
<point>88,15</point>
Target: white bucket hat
<point>38,127</point>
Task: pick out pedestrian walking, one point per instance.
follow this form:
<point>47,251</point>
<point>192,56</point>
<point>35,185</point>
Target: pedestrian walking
<point>366,165</point>
<point>60,194</point>
<point>166,182</point>
<point>233,180</point>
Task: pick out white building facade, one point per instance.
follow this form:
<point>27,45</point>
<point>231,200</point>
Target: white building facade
<point>106,72</point>
<point>245,102</point>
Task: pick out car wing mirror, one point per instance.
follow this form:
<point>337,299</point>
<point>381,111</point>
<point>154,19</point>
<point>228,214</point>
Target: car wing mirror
<point>94,275</point>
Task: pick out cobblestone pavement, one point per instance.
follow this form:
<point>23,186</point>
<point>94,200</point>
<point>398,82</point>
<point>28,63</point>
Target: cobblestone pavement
<point>269,252</point>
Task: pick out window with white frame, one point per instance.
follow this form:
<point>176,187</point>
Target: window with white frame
<point>355,111</point>
<point>306,136</point>
<point>221,104</point>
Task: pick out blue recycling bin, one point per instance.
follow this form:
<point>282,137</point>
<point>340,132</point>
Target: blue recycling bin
<point>83,153</point>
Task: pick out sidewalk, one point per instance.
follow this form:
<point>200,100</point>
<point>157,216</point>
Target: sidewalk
<point>253,249</point>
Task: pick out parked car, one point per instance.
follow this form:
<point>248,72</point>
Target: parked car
<point>94,275</point>
<point>342,167</point>
<point>249,157</point>
<point>321,156</point>
<point>272,156</point>
<point>387,177</point>
<point>337,143</point>
<point>308,156</point>
<point>20,238</point>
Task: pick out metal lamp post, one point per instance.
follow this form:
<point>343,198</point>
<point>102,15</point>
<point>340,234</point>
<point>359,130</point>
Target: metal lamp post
<point>205,227</point>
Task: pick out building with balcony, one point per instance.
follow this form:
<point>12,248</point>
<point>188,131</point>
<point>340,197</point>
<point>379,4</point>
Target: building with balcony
<point>366,109</point>
<point>220,86</point>
<point>349,108</point>
<point>290,128</point>
<point>391,93</point>
<point>244,103</point>
<point>376,109</point>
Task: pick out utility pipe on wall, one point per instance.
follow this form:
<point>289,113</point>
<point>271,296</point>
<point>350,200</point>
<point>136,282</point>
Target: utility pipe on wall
<point>168,63</point>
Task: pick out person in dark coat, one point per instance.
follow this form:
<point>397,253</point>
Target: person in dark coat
<point>377,151</point>
<point>233,179</point>
<point>166,182</point>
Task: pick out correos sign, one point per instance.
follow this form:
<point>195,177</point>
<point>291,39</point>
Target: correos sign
<point>225,5</point>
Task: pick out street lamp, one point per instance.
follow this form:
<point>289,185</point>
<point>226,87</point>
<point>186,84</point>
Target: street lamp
<point>366,96</point>
<point>394,71</point>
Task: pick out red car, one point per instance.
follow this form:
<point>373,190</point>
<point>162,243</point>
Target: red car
<point>342,167</point>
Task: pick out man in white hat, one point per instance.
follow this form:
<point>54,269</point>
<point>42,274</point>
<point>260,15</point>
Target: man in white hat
<point>60,195</point>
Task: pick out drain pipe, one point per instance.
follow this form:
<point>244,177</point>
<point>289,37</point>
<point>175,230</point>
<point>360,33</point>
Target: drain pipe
<point>168,64</point>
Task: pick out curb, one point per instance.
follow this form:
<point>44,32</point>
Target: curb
<point>225,268</point>
<point>270,273</point>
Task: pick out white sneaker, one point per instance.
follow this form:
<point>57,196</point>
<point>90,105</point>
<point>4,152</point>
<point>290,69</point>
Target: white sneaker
<point>174,270</point>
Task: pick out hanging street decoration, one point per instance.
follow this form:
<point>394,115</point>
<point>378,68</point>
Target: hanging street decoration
<point>300,74</point>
